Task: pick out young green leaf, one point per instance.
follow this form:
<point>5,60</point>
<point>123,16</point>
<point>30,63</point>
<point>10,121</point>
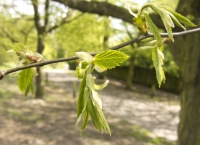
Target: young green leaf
<point>103,120</point>
<point>153,29</point>
<point>80,70</point>
<point>25,80</point>
<point>140,23</point>
<point>85,121</point>
<point>30,87</point>
<point>95,96</point>
<point>85,56</point>
<point>169,31</point>
<point>180,18</point>
<point>158,57</point>
<point>84,102</point>
<point>95,116</point>
<point>19,47</point>
<point>176,21</point>
<point>80,104</point>
<point>110,59</point>
<point>167,21</point>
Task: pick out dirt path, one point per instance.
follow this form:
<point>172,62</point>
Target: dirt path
<point>158,118</point>
<point>51,121</point>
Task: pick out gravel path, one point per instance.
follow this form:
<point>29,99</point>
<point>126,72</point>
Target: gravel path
<point>158,118</point>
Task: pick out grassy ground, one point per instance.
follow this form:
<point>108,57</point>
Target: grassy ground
<point>51,121</point>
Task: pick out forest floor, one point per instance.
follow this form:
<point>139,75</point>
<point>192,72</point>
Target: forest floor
<point>134,117</point>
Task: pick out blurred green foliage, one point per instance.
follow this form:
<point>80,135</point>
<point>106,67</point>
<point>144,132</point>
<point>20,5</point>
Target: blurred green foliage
<point>89,32</point>
<point>86,33</point>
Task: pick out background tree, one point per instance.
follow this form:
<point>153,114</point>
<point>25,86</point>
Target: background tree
<point>44,25</point>
<point>22,32</point>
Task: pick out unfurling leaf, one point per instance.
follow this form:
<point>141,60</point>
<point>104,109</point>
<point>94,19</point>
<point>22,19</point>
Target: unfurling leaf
<point>26,55</point>
<point>84,102</point>
<point>176,21</point>
<point>140,23</point>
<point>80,70</point>
<point>80,104</point>
<point>180,18</point>
<point>85,56</point>
<point>110,59</point>
<point>153,29</point>
<point>98,118</point>
<point>158,57</point>
<point>167,21</point>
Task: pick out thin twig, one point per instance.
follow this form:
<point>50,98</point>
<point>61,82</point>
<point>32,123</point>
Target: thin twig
<point>46,62</point>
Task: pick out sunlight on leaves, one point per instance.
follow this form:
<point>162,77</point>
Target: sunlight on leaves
<point>89,100</point>
<point>110,59</point>
<point>158,57</point>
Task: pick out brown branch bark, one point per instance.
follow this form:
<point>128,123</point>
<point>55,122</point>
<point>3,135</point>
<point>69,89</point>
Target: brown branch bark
<point>100,8</point>
<point>106,9</point>
<point>36,15</point>
<point>46,16</point>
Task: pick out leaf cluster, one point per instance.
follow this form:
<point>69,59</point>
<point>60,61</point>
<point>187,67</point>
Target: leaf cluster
<point>25,77</point>
<point>89,100</point>
<point>170,18</point>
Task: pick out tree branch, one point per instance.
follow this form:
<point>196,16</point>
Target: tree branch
<point>36,15</point>
<point>100,8</point>
<point>106,9</point>
<point>46,16</point>
<point>46,62</point>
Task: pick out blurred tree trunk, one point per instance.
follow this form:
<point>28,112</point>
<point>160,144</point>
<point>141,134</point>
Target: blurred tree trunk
<point>41,33</point>
<point>186,51</point>
<point>39,88</point>
<point>41,23</point>
<point>129,78</point>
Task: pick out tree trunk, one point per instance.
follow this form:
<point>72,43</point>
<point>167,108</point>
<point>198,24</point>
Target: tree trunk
<point>130,74</point>
<point>189,126</point>
<point>38,80</point>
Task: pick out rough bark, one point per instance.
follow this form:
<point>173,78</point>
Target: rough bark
<point>186,52</point>
<point>189,126</point>
<point>100,8</point>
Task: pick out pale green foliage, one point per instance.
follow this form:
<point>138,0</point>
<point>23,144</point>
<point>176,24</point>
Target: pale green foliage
<point>25,77</point>
<point>153,29</point>
<point>158,57</point>
<point>181,18</point>
<point>26,55</point>
<point>168,17</point>
<point>25,81</point>
<point>83,34</point>
<point>80,104</point>
<point>89,101</point>
<point>14,29</point>
<point>110,59</point>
